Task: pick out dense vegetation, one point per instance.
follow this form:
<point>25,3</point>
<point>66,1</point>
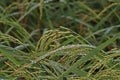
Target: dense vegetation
<point>59,40</point>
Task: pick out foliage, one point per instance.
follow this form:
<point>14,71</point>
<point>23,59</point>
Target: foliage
<point>59,40</point>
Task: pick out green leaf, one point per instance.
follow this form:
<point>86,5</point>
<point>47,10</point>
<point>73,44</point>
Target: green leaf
<point>89,55</point>
<point>80,73</point>
<point>7,51</point>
